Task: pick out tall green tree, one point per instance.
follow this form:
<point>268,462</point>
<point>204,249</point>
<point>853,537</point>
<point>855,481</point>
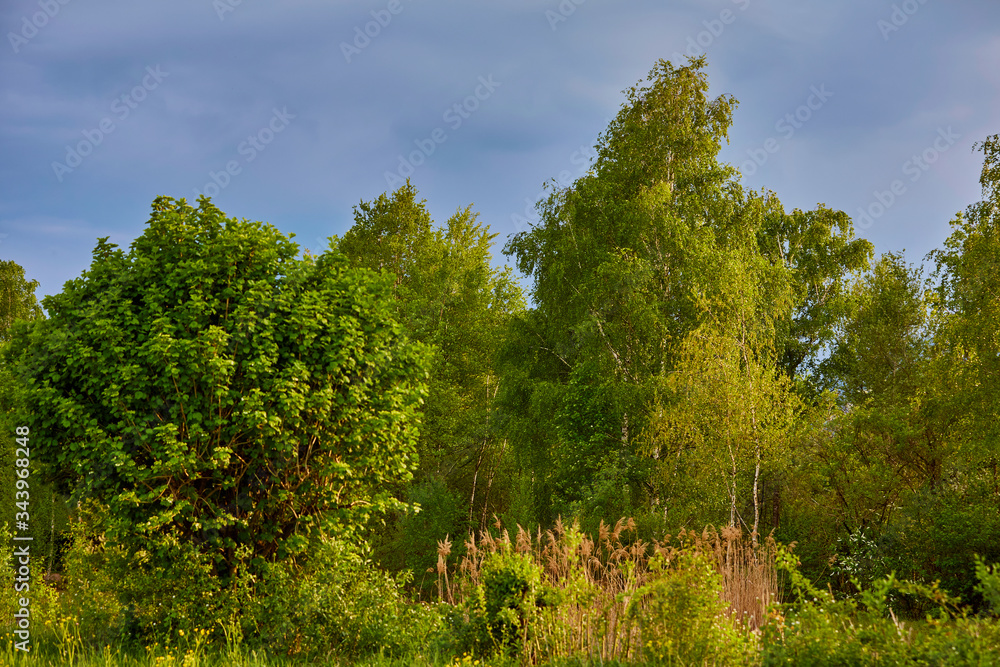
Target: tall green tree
<point>909,463</point>
<point>917,374</point>
<point>613,259</point>
<point>953,515</point>
<point>656,240</point>
<point>18,303</point>
<point>969,293</point>
<point>892,381</point>
<point>214,390</point>
<point>17,297</point>
<point>449,296</point>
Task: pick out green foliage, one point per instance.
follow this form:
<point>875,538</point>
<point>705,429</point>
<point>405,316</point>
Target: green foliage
<point>92,587</point>
<point>48,509</point>
<point>335,601</point>
<point>968,268</point>
<point>175,593</point>
<point>613,259</point>
<point>437,512</point>
<point>819,251</point>
<point>506,601</point>
<point>902,464</point>
<point>726,416</point>
<point>860,559</point>
<point>8,596</point>
<point>659,241</point>
<point>233,415</point>
<point>989,584</point>
<point>682,616</point>
<point>330,601</point>
<point>819,630</point>
<point>884,335</point>
<point>216,391</point>
<point>129,597</point>
<point>450,297</point>
<point>939,534</point>
<point>17,298</point>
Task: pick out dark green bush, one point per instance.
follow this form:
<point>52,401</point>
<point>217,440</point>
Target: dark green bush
<point>411,540</point>
<point>126,596</point>
<point>939,535</point>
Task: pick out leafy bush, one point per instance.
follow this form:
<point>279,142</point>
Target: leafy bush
<point>334,600</point>
<point>861,558</point>
<point>510,586</point>
<point>216,391</point>
<point>128,596</point>
<point>945,531</point>
<point>989,584</point>
<point>506,601</point>
<point>862,630</point>
<point>682,616</point>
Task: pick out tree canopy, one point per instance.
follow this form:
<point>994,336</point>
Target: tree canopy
<point>448,295</point>
<point>659,239</point>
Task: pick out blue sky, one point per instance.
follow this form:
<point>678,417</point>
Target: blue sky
<point>292,112</point>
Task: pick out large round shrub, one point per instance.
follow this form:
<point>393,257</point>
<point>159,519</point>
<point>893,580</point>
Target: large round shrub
<point>211,386</point>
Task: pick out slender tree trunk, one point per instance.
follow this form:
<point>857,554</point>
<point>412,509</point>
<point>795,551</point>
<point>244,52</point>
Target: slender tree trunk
<point>52,531</point>
<point>732,489</point>
<point>776,506</point>
<point>756,439</point>
<point>482,452</point>
<point>475,479</point>
<point>996,486</point>
<point>489,482</point>
<point>756,500</point>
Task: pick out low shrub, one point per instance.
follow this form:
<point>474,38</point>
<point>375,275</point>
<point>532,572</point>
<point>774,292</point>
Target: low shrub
<point>682,615</point>
<point>989,584</point>
<point>818,629</point>
<point>333,600</point>
<point>110,595</point>
<point>507,601</point>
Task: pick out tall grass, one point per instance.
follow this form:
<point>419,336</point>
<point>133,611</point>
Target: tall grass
<point>595,600</point>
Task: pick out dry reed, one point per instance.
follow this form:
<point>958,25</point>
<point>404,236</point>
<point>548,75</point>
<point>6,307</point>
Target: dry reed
<point>596,577</point>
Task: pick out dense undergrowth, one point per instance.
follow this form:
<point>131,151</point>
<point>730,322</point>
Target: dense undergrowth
<point>557,597</point>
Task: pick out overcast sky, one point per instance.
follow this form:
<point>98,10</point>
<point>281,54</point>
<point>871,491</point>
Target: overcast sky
<point>292,112</point>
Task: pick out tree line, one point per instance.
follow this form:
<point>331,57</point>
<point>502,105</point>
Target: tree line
<point>689,353</point>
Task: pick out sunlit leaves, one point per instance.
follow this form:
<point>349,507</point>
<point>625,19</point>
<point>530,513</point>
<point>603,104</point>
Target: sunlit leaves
<point>211,381</point>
